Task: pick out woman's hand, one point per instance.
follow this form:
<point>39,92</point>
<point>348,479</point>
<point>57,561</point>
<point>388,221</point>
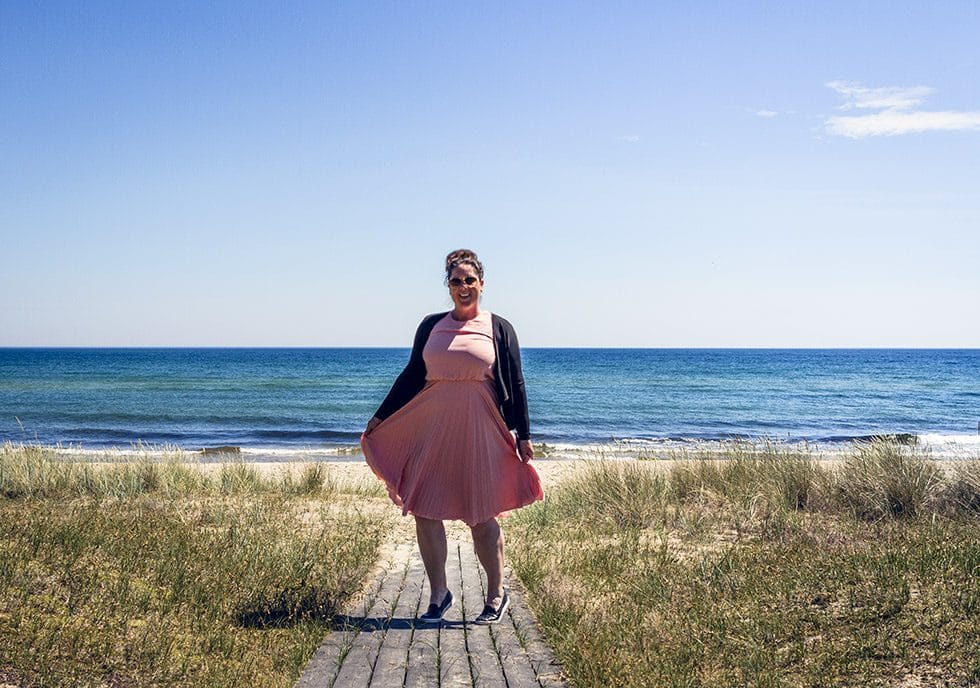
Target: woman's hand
<point>372,424</point>
<point>525,450</point>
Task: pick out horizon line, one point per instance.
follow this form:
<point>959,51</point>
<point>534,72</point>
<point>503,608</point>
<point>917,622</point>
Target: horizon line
<point>192,347</point>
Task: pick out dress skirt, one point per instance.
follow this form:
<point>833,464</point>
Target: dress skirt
<point>447,454</point>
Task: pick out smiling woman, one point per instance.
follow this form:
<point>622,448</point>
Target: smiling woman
<point>465,286</point>
<point>442,440</point>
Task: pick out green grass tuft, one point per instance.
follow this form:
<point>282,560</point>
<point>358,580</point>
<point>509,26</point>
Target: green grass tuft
<point>884,479</point>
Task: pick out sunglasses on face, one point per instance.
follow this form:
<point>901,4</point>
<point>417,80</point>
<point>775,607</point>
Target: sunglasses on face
<point>468,281</point>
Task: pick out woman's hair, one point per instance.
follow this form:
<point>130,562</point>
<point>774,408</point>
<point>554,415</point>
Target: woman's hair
<point>463,256</point>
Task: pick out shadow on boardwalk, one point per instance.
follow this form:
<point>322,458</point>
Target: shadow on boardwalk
<point>380,643</point>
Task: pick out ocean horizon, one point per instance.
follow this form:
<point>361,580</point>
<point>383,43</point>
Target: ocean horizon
<point>299,400</point>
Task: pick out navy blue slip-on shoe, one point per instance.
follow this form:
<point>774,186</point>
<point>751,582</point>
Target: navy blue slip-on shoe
<point>435,612</point>
<point>489,615</point>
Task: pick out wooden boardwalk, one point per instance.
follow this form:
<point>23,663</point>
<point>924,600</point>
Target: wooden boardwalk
<point>379,643</point>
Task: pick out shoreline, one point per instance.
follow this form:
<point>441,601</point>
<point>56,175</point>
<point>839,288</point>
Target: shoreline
<point>940,447</point>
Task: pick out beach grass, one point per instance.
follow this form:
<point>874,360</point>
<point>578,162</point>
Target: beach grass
<point>38,471</point>
<point>759,568</point>
<point>162,572</point>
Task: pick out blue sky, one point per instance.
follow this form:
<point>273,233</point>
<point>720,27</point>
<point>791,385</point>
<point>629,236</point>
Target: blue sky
<point>642,174</point>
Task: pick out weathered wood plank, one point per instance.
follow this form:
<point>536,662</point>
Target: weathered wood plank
<point>514,659</point>
<point>390,668</point>
<point>484,662</point>
<point>454,665</point>
<point>516,666</point>
<point>322,670</point>
<point>367,633</point>
<point>423,654</point>
<point>423,670</point>
<point>549,673</point>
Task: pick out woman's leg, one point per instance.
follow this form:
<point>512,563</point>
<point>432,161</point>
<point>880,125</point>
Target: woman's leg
<point>488,540</point>
<point>432,546</point>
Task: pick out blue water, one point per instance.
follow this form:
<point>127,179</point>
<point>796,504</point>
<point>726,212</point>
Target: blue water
<point>269,398</point>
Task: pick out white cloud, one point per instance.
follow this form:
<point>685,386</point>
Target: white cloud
<point>766,113</point>
<point>896,122</point>
<point>896,115</point>
<point>885,98</point>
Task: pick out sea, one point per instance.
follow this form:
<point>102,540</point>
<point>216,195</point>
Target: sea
<point>283,404</point>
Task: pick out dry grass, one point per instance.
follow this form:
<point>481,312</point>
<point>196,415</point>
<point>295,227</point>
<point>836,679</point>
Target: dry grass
<point>881,480</point>
<point>36,471</point>
<point>762,569</point>
<point>163,573</point>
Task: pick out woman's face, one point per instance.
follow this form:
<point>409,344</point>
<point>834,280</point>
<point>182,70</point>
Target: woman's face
<point>465,286</point>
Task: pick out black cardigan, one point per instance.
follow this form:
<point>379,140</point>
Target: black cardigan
<point>508,376</point>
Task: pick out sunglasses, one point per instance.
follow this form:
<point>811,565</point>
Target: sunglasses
<point>468,281</point>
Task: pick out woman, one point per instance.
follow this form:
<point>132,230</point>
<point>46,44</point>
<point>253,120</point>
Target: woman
<point>441,440</point>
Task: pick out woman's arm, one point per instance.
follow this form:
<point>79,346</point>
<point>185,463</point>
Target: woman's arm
<point>519,397</point>
<point>412,379</point>
<point>518,394</point>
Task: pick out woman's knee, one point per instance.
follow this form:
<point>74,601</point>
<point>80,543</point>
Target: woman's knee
<point>486,528</point>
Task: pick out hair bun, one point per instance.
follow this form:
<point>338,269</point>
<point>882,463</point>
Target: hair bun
<point>463,256</point>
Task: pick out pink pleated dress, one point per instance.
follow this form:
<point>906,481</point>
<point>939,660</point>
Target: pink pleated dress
<point>447,454</point>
